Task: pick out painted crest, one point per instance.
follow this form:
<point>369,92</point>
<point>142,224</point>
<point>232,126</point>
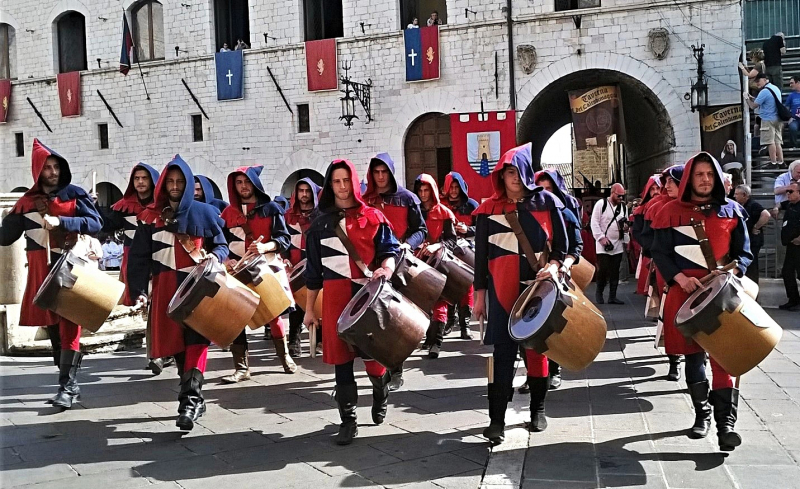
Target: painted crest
<point>658,42</point>
<point>526,55</point>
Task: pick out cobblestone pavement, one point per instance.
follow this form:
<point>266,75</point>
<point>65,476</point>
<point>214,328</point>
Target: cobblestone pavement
<point>617,424</point>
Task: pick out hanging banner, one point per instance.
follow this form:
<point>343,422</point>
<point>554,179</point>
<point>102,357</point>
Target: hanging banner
<point>422,53</point>
<point>69,93</point>
<point>321,69</point>
<point>230,75</point>
<point>478,140</point>
<point>721,134</point>
<point>595,115</point>
<point>5,99</point>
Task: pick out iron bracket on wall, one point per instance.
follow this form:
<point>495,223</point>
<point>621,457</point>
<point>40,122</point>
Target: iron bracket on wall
<point>195,99</point>
<point>109,108</point>
<point>39,114</point>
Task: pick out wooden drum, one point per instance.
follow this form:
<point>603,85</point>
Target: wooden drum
<point>268,279</point>
<point>465,252</point>
<point>728,323</point>
<point>382,323</point>
<point>297,283</point>
<point>419,282</point>
<point>213,303</point>
<point>582,273</point>
<point>556,319</point>
<point>79,292</point>
<point>460,276</point>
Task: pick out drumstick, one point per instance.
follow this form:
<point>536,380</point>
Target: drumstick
<point>480,328</point>
<point>737,381</point>
<point>312,340</point>
<point>247,255</point>
<point>490,369</point>
<point>727,268</point>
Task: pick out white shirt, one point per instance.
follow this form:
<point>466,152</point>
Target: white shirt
<point>112,254</point>
<point>783,180</point>
<point>86,244</point>
<point>601,220</point>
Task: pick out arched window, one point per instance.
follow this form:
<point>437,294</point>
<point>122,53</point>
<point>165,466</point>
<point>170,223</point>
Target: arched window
<point>232,24</point>
<point>71,34</point>
<point>148,30</point>
<point>8,52</point>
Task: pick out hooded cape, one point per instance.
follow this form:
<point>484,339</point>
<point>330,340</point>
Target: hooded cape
<point>192,217</point>
<point>397,196</point>
<point>465,205</point>
<point>437,216</point>
<point>129,203</point>
<point>294,205</point>
<point>208,193</point>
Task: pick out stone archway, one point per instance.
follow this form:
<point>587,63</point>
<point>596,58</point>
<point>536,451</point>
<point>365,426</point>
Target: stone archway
<point>288,185</point>
<point>427,148</point>
<point>647,135</point>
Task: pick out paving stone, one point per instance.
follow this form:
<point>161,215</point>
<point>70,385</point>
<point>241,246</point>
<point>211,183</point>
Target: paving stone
<point>420,469</point>
<point>32,473</point>
<point>123,478</point>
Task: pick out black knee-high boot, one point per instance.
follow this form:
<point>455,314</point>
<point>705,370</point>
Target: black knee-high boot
<point>191,405</point>
<point>726,407</point>
<point>68,389</point>
<point>347,399</point>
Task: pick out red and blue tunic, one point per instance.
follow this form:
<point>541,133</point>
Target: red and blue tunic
<point>330,268</point>
<point>298,221</point>
<point>156,253</point>
<point>463,207</point>
<point>77,213</point>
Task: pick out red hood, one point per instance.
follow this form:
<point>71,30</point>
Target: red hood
<point>654,180</point>
<point>327,201</point>
<point>39,155</point>
<point>423,179</point>
<point>717,192</point>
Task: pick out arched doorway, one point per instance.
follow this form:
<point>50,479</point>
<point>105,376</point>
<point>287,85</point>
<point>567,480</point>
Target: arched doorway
<point>288,186</point>
<point>20,190</point>
<point>428,148</point>
<point>644,141</point>
<point>107,195</point>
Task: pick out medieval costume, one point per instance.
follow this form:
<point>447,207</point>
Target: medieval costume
<point>161,251</point>
<point>330,268</point>
<point>76,214</point>
<point>298,221</point>
<point>637,225</point>
<point>244,224</point>
<point>208,193</point>
<point>680,249</point>
<point>462,207</point>
<point>440,221</point>
<point>401,208</point>
<point>502,271</point>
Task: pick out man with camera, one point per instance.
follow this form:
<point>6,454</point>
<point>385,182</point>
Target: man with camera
<point>609,221</point>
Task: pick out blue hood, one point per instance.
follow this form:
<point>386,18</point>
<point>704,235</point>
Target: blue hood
<point>560,189</point>
<point>398,195</point>
<point>265,204</point>
<point>314,190</point>
<point>193,218</point>
<point>520,158</point>
<point>130,190</point>
<point>208,193</point>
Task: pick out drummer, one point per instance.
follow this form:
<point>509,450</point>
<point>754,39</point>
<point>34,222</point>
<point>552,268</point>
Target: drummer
<point>683,256</point>
<point>458,201</point>
<point>673,340</point>
<point>138,195</point>
<point>401,208</point>
<point>652,189</point>
<point>172,231</point>
<point>552,181</point>
<point>302,210</point>
<point>371,235</point>
<point>502,269</point>
<point>51,214</point>
<point>254,223</point>
<point>440,222</point>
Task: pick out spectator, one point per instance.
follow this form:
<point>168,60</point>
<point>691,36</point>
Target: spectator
<point>771,133</point>
<point>88,248</point>
<point>790,237</point>
<point>414,24</point>
<point>608,229</point>
<point>224,48</point>
<point>241,45</point>
<point>727,184</point>
<point>782,185</point>
<point>757,218</point>
<point>112,254</point>
<point>757,57</point>
<point>774,48</point>
<point>729,154</point>
<point>793,104</point>
<point>434,19</point>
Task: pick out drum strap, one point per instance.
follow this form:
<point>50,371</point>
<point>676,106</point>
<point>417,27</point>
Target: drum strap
<point>535,264</point>
<point>195,253</point>
<point>351,250</point>
<point>705,245</point>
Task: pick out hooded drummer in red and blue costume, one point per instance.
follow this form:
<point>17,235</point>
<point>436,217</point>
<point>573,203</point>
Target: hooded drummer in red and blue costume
<point>204,192</point>
<point>652,190</point>
<point>502,271</point>
<point>440,221</point>
<point>51,215</point>
<point>137,196</point>
<point>302,210</point>
<point>552,181</point>
<point>329,268</point>
<point>172,223</point>
<point>457,200</point>
<point>401,208</point>
<point>677,252</point>
<point>670,180</point>
<point>254,222</point>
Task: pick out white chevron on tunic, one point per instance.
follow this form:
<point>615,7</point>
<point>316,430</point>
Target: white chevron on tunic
<point>130,232</point>
<point>40,234</point>
<point>692,253</point>
<point>165,256</point>
<point>339,263</point>
<point>507,240</point>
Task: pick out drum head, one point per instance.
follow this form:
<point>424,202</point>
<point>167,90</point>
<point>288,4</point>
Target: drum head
<point>436,259</point>
<point>359,304</point>
<point>296,279</point>
<point>189,294</point>
<point>249,271</point>
<point>701,298</point>
<point>59,274</point>
<point>531,310</point>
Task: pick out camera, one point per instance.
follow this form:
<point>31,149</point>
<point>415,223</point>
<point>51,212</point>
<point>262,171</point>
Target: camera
<point>609,247</point>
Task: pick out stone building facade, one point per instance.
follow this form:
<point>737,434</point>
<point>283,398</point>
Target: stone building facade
<point>611,46</point>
